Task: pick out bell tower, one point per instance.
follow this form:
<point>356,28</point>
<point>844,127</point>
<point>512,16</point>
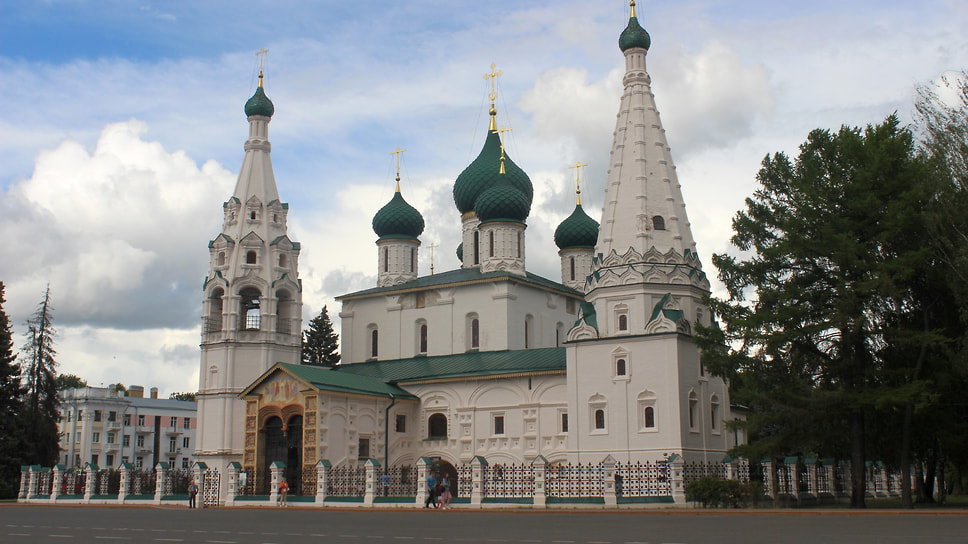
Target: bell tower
<point>251,297</point>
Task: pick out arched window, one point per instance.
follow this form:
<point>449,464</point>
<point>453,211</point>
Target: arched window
<point>249,304</point>
<point>519,244</point>
<point>437,426</point>
<point>714,412</point>
<point>649,417</point>
<point>286,312</point>
<point>599,419</point>
<point>386,259</point>
<point>571,265</point>
<point>250,257</point>
<point>658,223</point>
<point>475,333</point>
<point>490,243</point>
<point>620,367</point>
<point>252,215</point>
<point>693,406</point>
<point>221,258</point>
<point>423,339</point>
<point>413,259</point>
<point>623,322</point>
<point>374,343</point>
<point>213,323</point>
<point>477,247</point>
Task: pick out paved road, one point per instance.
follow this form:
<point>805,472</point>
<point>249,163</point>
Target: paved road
<point>81,525</point>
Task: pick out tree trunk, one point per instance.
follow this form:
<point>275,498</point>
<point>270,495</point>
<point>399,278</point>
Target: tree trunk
<point>858,470</point>
<point>905,456</point>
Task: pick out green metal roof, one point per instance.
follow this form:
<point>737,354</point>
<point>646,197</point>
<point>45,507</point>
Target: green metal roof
<point>332,380</point>
<point>634,36</point>
<point>461,365</point>
<point>398,219</point>
<point>484,172</point>
<point>577,231</point>
<point>259,104</point>
<point>463,275</point>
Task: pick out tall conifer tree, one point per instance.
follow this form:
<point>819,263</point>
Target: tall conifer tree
<point>11,391</point>
<point>320,346</point>
<point>40,376</point>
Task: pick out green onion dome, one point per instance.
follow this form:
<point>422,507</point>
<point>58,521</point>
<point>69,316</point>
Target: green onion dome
<point>577,231</point>
<point>502,202</point>
<point>460,252</point>
<point>398,219</point>
<point>482,173</point>
<point>259,104</point>
<point>634,36</point>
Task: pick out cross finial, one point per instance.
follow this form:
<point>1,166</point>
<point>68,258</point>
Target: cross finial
<point>432,248</point>
<point>397,152</point>
<point>577,166</point>
<point>493,75</point>
<point>500,133</point>
<point>632,5</point>
<point>262,57</point>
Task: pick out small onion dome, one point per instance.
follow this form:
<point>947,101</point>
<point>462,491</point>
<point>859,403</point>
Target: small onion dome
<point>482,173</point>
<point>460,252</point>
<point>259,104</point>
<point>634,36</point>
<point>398,219</point>
<point>502,201</point>
<point>577,231</point>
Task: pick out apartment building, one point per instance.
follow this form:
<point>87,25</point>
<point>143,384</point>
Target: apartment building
<point>101,425</point>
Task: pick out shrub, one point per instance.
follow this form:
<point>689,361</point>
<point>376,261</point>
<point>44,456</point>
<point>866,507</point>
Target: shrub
<point>715,493</point>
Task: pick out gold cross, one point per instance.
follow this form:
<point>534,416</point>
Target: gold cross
<point>432,248</point>
<point>493,77</point>
<point>262,57</point>
<point>500,133</point>
<point>397,153</point>
<point>577,166</point>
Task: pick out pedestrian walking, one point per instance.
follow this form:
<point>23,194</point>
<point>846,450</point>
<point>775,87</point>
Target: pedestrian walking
<point>445,494</point>
<point>283,493</point>
<point>431,492</point>
<point>192,493</point>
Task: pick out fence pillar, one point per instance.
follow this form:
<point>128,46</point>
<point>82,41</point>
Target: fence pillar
<point>232,473</point>
<point>608,472</point>
<point>423,471</point>
<point>732,468</point>
<point>24,482</point>
<point>322,481</point>
<point>813,486</point>
<point>90,481</point>
<point>33,481</point>
<point>125,482</point>
<point>277,471</point>
<point>768,472</point>
<point>161,481</point>
<point>57,482</point>
<point>369,492</point>
<point>677,476</point>
<point>540,465</point>
<point>478,464</point>
<point>198,476</point>
<point>885,476</point>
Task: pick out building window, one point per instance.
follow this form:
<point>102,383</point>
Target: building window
<point>519,244</point>
<point>413,259</point>
<point>374,343</point>
<point>649,417</point>
<point>185,442</point>
<point>172,445</point>
<point>437,426</point>
<point>250,257</point>
<point>599,419</point>
<point>249,305</point>
<point>693,406</point>
<point>283,262</point>
<point>185,463</point>
<point>139,462</point>
<point>126,440</point>
<point>423,339</point>
<point>141,441</point>
<point>528,331</point>
<point>174,422</point>
<point>97,415</point>
<point>475,333</point>
<point>477,247</point>
<point>623,322</point>
<point>111,438</point>
<point>364,452</point>
<point>498,424</point>
<point>110,459</point>
<point>386,259</point>
<point>401,425</point>
<point>620,367</point>
<point>490,243</point>
<point>714,413</point>
<point>112,416</point>
<point>141,421</point>
<point>571,266</point>
<point>564,422</point>
<point>658,223</point>
<point>252,215</point>
<point>127,420</point>
<point>221,258</point>
<point>187,423</point>
<point>94,459</point>
<point>95,437</point>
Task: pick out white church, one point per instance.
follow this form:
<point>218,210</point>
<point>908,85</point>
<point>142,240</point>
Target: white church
<point>488,360</point>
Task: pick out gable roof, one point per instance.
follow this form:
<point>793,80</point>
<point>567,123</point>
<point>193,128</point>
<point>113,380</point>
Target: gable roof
<point>326,379</point>
<point>471,365</point>
<point>464,276</point>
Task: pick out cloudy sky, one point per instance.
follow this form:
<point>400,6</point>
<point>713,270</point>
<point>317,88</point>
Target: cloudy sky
<point>124,128</point>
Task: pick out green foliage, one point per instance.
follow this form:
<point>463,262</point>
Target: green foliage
<point>69,381</point>
<point>824,300</point>
<point>715,493</point>
<point>183,396</point>
<point>320,344</point>
<point>11,422</point>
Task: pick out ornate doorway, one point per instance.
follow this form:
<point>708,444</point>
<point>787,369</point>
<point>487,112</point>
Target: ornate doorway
<point>442,469</point>
<point>283,443</point>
